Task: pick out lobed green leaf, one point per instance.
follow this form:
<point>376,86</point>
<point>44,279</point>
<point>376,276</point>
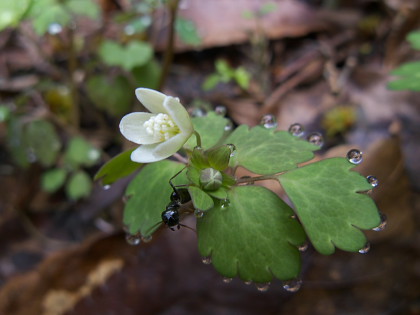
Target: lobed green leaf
<point>148,195</point>
<point>264,151</point>
<point>118,167</point>
<point>327,202</point>
<point>252,236</point>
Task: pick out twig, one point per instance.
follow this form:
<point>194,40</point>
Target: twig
<point>169,51</point>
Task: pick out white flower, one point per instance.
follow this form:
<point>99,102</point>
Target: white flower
<point>162,132</point>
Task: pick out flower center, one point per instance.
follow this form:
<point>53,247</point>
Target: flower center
<point>161,126</point>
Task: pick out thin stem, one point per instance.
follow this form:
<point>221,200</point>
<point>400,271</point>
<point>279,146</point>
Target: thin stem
<point>198,138</point>
<point>180,158</point>
<point>169,51</point>
<point>72,67</point>
<point>254,179</point>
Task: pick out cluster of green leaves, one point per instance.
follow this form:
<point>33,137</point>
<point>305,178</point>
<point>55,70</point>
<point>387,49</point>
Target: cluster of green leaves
<point>43,13</point>
<point>225,73</point>
<point>409,72</point>
<point>247,230</point>
<point>37,141</point>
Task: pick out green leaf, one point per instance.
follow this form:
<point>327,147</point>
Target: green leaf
<point>410,77</point>
<point>409,84</point>
<point>219,157</point>
<point>83,7</point>
<point>11,11</point>
<point>81,153</point>
<point>187,31</point>
<point>242,77</point>
<point>264,151</point>
<point>211,81</point>
<point>5,113</point>
<point>201,200</point>
<point>42,140</point>
<point>408,69</point>
<point>268,7</point>
<point>53,179</point>
<point>79,185</point>
<point>211,129</point>
<point>253,237</point>
<point>118,167</point>
<point>327,202</point>
<point>149,194</point>
<point>114,95</point>
<point>46,12</point>
<point>135,54</point>
<point>414,39</point>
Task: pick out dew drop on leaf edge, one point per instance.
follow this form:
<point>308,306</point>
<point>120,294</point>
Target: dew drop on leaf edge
<point>302,248</point>
<point>269,121</point>
<point>292,285</point>
<point>146,238</point>
<point>206,260</point>
<point>365,249</point>
<point>227,280</point>
<point>372,180</point>
<point>382,225</point>
<point>355,156</point>
<point>197,112</point>
<point>55,28</point>
<point>262,287</point>
<point>296,130</point>
<point>316,139</point>
<point>133,239</point>
<point>229,125</point>
<point>220,110</point>
<point>198,213</point>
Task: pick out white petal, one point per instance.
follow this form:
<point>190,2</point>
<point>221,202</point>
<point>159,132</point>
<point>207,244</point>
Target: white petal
<point>179,114</point>
<point>151,99</point>
<point>144,154</point>
<point>131,127</point>
<point>159,151</point>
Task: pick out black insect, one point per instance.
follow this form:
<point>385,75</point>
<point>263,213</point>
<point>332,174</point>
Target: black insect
<point>179,196</point>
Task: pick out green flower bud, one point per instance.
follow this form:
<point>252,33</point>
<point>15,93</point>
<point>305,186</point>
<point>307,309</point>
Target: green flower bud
<point>210,179</point>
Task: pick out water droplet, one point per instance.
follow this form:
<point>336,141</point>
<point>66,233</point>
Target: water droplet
<point>365,249</point>
<point>292,285</point>
<point>197,112</point>
<point>269,121</point>
<point>227,280</point>
<point>129,30</point>
<point>355,156</point>
<point>133,239</point>
<point>316,139</point>
<point>55,28</point>
<point>146,238</point>
<point>206,260</point>
<point>248,282</point>
<point>382,225</point>
<point>232,148</point>
<point>296,130</point>
<point>198,213</point>
<point>220,110</point>
<point>372,180</point>
<point>303,247</point>
<point>106,187</point>
<point>263,287</point>
<point>225,203</point>
<point>229,125</point>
